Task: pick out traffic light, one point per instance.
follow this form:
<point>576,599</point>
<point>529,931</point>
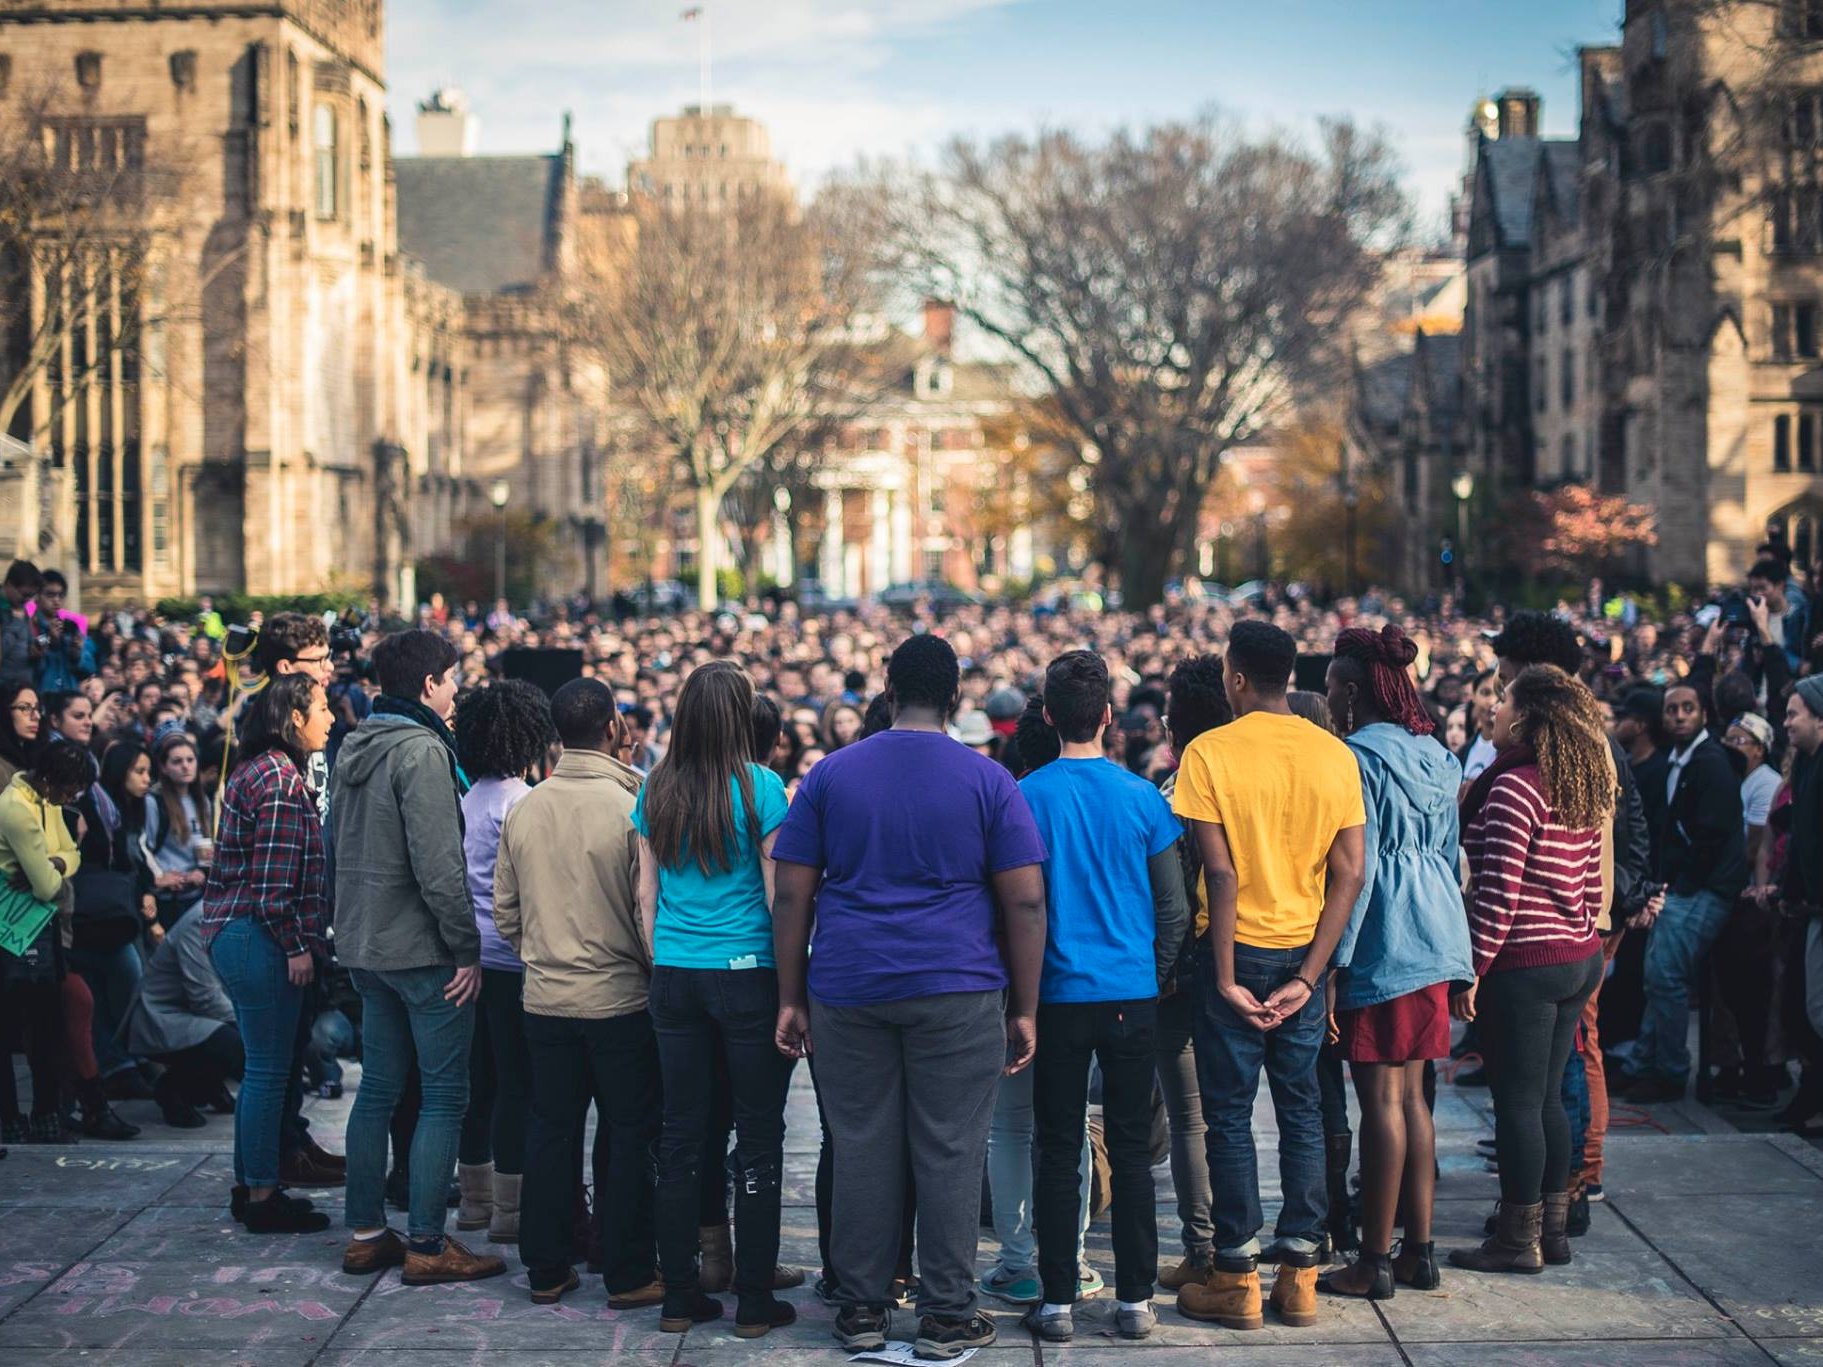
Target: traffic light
<point>1449,551</point>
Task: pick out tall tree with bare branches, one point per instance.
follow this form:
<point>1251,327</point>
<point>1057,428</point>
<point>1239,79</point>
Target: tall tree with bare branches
<point>728,336</point>
<point>1173,288</point>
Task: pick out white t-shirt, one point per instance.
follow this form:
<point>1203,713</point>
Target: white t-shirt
<point>1757,792</point>
<point>1481,754</point>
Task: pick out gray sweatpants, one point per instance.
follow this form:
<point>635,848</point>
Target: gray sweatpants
<point>919,1074</point>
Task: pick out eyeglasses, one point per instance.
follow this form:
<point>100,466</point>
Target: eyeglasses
<point>322,659</point>
<point>28,709</point>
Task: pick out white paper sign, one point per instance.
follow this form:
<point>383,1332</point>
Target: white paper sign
<point>905,1355</point>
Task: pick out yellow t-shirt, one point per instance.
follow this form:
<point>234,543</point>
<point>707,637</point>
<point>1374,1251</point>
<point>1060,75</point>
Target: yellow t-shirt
<point>1281,789</point>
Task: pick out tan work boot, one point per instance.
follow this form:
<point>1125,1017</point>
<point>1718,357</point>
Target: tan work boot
<point>1186,1272</point>
<point>1294,1295</point>
<point>1230,1299</point>
<point>1514,1246</point>
<point>476,1183</point>
<point>504,1227</point>
<point>454,1264</point>
<point>717,1270</point>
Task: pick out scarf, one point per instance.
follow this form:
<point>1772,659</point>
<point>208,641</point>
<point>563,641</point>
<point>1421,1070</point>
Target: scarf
<point>386,705</point>
<point>1504,763</point>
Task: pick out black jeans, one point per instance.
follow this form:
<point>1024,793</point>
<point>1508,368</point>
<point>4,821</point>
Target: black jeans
<point>693,1011</point>
<point>199,1071</point>
<point>1528,1019</point>
<point>1123,1037</point>
<point>499,1077</point>
<point>614,1062</point>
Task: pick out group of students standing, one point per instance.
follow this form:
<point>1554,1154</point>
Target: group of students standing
<point>947,945</point>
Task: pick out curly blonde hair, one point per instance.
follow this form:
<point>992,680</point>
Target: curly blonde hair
<point>1560,719</point>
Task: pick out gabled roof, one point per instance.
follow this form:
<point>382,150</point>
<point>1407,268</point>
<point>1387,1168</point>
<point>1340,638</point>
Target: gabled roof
<point>481,225</point>
<point>1508,167</point>
<point>1559,174</point>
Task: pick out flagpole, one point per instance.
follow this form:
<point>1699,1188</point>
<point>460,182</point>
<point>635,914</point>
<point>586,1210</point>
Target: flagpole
<point>703,59</point>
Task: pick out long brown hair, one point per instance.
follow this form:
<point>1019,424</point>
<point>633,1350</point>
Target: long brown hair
<point>1559,718</point>
<point>689,799</point>
<point>171,797</point>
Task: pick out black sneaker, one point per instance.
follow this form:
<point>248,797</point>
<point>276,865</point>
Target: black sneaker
<point>862,1329</point>
<point>758,1320</point>
<point>283,1214</point>
<point>826,1289</point>
<point>939,1339</point>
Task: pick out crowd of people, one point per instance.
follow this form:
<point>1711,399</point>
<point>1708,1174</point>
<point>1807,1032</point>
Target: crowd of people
<point>1021,887</point>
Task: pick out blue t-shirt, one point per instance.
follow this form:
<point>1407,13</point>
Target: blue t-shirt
<point>1101,824</point>
<point>909,828</point>
<point>719,919</point>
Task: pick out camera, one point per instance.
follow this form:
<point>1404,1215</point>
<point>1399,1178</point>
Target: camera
<point>1734,610</point>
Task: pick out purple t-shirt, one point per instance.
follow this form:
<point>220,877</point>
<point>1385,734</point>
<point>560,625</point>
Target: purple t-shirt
<point>908,827</point>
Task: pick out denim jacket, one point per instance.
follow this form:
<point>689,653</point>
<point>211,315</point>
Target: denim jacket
<point>1408,929</point>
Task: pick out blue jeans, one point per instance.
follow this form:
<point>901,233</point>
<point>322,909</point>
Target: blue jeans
<point>404,1010</point>
<point>267,1009</point>
<point>331,1040</point>
<point>1230,1054</point>
<point>113,977</point>
<point>1010,1175</point>
<point>1682,935</point>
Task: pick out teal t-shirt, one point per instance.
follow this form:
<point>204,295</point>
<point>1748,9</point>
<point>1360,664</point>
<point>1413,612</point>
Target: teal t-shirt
<point>720,919</point>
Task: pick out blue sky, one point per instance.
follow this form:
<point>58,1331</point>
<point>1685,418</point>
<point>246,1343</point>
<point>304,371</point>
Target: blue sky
<point>836,79</point>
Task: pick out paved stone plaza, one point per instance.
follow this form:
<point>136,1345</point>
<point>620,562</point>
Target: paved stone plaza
<point>1709,1249</point>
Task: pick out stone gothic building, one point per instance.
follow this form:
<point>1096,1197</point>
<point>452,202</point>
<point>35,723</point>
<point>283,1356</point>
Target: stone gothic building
<point>1645,303</point>
<point>332,354</point>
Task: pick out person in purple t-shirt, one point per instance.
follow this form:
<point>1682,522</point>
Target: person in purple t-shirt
<point>501,733</point>
<point>918,860</point>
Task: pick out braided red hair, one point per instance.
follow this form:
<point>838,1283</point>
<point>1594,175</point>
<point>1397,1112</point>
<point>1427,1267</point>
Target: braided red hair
<point>1386,657</point>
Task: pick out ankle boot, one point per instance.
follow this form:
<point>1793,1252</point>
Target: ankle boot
<point>476,1182</point>
<point>1514,1247</point>
<point>717,1272</point>
<point>1370,1277</point>
<point>1338,1149</point>
<point>1553,1236</point>
<point>1294,1295</point>
<point>1415,1265</point>
<point>99,1120</point>
<point>504,1227</point>
<point>1230,1299</point>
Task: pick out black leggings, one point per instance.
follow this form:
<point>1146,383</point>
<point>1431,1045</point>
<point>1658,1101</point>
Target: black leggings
<point>31,1014</point>
<point>499,1077</point>
<point>1528,1019</point>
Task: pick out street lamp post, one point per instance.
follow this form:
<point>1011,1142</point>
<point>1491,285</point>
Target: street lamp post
<point>1351,497</point>
<point>497,494</point>
<point>1463,487</point>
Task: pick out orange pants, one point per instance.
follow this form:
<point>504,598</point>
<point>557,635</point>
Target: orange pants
<point>1595,1139</point>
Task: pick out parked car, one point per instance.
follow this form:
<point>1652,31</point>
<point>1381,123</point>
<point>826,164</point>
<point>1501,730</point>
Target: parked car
<point>941,596</point>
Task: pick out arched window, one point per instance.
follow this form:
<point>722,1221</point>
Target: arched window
<point>1569,456</point>
<point>327,160</point>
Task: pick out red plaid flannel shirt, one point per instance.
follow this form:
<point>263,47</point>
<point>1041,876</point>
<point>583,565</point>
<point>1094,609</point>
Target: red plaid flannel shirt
<point>269,857</point>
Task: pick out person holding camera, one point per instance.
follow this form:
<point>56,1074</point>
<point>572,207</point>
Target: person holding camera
<point>405,930</point>
<point>60,643</point>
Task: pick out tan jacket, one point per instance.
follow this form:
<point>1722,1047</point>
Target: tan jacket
<point>566,891</point>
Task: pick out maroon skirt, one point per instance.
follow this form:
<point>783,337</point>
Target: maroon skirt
<point>1406,1029</point>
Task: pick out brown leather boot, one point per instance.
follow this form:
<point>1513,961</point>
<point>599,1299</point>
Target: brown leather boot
<point>1186,1272</point>
<point>1230,1299</point>
<point>454,1264</point>
<point>301,1168</point>
<point>1553,1234</point>
<point>373,1255</point>
<point>717,1270</point>
<point>1294,1295</point>
<point>323,1158</point>
<point>1514,1245</point>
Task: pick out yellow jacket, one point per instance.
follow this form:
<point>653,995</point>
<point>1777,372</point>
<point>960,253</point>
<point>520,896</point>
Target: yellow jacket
<point>32,833</point>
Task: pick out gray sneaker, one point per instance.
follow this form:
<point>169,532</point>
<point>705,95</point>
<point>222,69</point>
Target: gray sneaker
<point>1136,1324</point>
<point>1056,1328</point>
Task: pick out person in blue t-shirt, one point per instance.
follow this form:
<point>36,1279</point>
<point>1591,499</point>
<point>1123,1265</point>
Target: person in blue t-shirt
<point>1116,913</point>
<point>706,820</point>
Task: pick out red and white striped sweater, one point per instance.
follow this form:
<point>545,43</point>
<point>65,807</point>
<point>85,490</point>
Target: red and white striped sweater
<point>1536,890</point>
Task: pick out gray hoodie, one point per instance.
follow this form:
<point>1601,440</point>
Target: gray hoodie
<point>401,885</point>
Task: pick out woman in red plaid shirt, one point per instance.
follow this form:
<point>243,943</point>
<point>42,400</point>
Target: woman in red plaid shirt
<point>264,913</point>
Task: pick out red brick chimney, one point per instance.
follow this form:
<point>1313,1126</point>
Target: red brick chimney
<point>939,325</point>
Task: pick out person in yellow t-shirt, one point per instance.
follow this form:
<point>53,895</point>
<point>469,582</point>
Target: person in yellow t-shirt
<point>1279,821</point>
